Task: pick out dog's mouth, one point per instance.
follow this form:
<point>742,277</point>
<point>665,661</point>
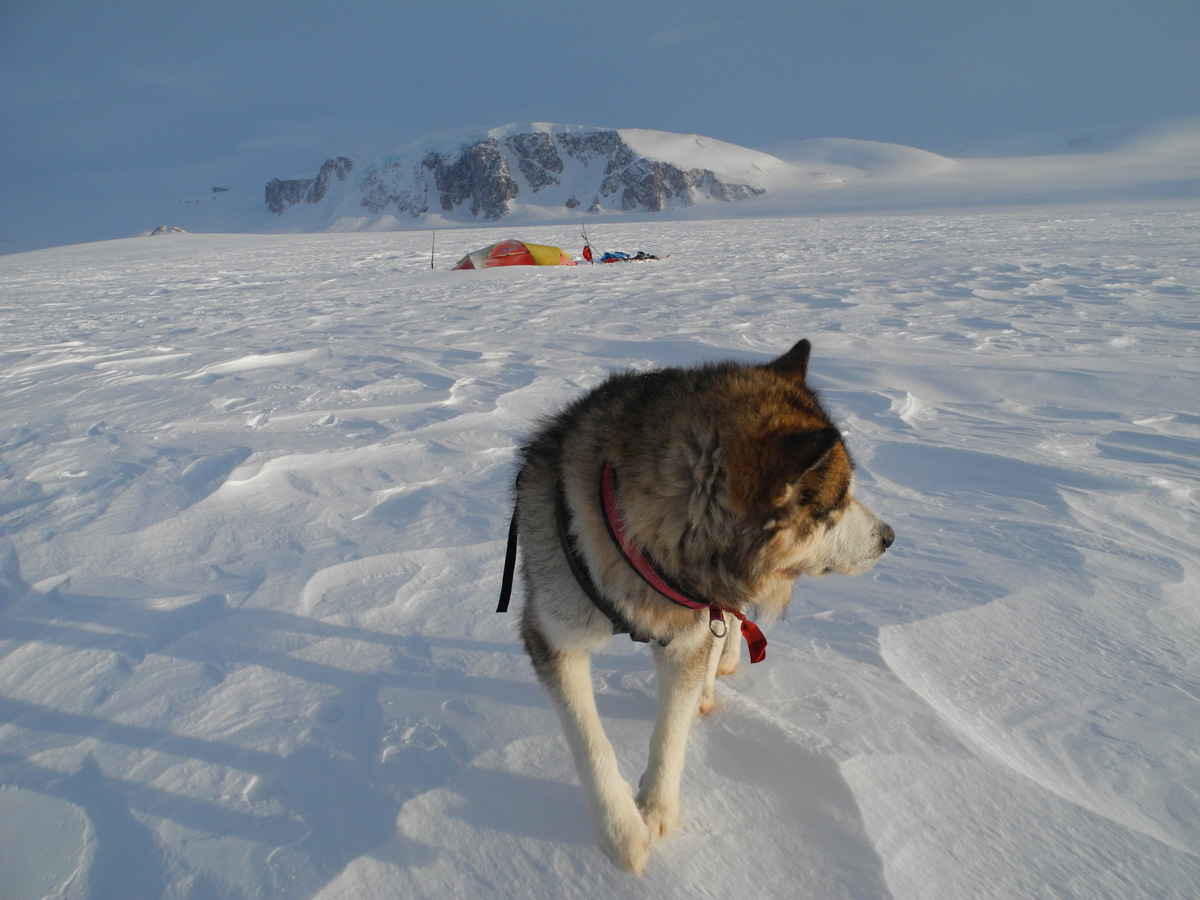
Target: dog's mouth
<point>856,568</point>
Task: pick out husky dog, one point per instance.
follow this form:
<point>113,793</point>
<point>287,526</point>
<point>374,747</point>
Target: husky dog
<point>670,505</point>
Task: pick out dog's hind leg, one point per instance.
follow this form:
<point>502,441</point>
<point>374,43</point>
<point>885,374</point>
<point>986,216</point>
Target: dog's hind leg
<point>708,693</point>
<point>682,667</point>
<point>566,677</point>
<point>732,648</point>
<point>722,660</point>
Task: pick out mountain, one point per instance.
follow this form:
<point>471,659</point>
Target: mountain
<point>541,170</point>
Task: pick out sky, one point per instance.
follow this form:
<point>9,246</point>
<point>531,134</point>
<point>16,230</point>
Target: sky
<point>132,98</point>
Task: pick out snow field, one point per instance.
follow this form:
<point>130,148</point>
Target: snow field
<point>254,496</point>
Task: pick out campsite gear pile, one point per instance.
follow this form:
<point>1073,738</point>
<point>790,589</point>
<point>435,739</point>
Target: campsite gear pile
<point>612,256</point>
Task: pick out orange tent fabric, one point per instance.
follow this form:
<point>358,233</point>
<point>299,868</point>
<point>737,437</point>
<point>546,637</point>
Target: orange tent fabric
<point>515,253</point>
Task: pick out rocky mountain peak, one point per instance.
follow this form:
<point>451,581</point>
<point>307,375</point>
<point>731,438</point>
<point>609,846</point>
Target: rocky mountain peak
<point>546,167</point>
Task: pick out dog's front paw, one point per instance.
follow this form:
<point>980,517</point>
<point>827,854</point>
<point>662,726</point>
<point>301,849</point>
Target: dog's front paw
<point>661,817</point>
<point>624,837</point>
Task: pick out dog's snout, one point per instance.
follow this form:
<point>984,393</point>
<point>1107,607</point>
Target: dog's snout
<point>887,537</point>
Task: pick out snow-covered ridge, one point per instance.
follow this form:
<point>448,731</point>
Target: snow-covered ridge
<point>1159,163</point>
<point>535,168</point>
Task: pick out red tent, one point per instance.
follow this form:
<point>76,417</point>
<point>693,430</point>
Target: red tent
<point>515,253</point>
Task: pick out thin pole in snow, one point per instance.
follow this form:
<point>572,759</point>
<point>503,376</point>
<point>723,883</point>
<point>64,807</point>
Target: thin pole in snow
<point>432,247</point>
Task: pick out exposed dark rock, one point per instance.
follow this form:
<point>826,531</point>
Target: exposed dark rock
<point>375,194</point>
<point>537,158</point>
<point>339,168</point>
<point>479,175</point>
<point>650,184</point>
<point>587,146</point>
<point>714,187</point>
<point>282,193</point>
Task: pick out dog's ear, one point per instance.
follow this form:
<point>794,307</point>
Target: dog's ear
<point>802,452</point>
<point>794,363</point>
<point>805,450</point>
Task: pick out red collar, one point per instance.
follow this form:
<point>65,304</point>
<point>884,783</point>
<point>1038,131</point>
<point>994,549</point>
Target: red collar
<point>637,559</point>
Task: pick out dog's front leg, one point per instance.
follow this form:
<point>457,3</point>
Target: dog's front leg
<point>681,667</point>
<point>618,826</point>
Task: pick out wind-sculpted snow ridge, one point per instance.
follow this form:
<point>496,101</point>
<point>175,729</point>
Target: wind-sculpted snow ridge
<point>557,169</point>
<point>253,498</point>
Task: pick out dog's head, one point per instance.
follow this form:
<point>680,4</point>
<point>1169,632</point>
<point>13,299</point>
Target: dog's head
<point>748,485</point>
<point>790,482</point>
<point>805,486</point>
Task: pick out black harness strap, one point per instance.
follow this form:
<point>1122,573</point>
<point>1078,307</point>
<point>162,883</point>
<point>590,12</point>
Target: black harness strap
<point>577,566</point>
<point>579,570</point>
<point>510,564</point>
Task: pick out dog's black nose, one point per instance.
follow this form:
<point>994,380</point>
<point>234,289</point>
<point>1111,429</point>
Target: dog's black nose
<point>888,536</point>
